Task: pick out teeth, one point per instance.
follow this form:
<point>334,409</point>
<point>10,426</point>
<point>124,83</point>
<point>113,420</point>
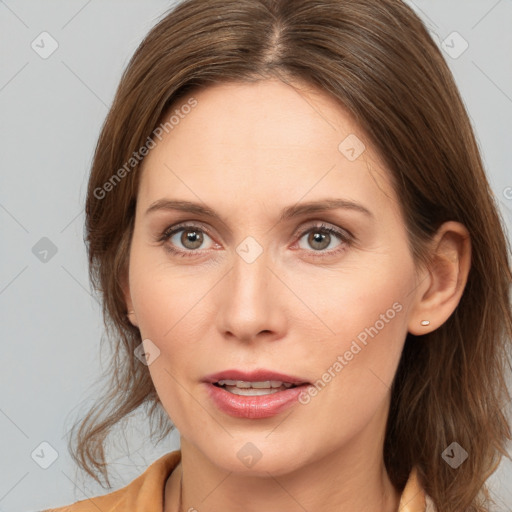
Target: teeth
<point>267,384</point>
<point>226,382</point>
<point>251,391</point>
<point>261,385</point>
<point>246,388</point>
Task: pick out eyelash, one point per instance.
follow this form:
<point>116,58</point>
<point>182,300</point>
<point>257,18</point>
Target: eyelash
<point>344,236</point>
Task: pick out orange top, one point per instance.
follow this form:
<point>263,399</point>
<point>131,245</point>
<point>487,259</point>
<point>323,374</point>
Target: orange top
<point>146,492</point>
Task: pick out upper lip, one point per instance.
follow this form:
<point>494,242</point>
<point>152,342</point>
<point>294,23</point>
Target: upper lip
<point>253,376</point>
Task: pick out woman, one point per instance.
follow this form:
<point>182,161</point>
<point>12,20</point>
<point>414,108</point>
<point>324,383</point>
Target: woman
<point>301,264</point>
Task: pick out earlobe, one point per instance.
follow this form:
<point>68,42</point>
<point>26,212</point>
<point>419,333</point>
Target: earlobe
<point>132,317</point>
<point>441,290</point>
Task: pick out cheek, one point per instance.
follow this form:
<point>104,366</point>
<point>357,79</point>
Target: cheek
<point>360,302</point>
<point>164,295</point>
<point>366,316</point>
<point>171,305</point>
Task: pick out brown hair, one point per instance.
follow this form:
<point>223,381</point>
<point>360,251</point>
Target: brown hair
<point>378,60</point>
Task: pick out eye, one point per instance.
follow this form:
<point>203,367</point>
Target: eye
<point>184,239</point>
<point>187,239</point>
<point>322,236</point>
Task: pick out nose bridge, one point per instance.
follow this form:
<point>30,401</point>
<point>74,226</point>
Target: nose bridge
<point>252,276</point>
<point>249,302</point>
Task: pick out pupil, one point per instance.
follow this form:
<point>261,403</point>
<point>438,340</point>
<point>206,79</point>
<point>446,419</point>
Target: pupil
<point>318,237</point>
<point>192,237</point>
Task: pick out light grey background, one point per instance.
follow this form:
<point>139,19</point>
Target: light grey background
<point>51,110</point>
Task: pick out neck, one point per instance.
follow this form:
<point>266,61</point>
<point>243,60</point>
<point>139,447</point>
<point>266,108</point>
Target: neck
<point>381,497</point>
<point>351,479</point>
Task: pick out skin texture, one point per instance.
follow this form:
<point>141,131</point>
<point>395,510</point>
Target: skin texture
<point>248,151</point>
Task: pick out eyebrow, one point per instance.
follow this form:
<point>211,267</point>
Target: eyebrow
<point>287,213</point>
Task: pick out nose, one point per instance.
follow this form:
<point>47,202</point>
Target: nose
<point>251,301</point>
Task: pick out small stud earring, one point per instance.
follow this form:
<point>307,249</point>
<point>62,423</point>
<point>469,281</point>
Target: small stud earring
<point>425,322</point>
<point>130,312</point>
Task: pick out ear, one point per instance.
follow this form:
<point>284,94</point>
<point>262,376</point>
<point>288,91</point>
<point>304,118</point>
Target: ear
<point>442,283</point>
<point>125,286</point>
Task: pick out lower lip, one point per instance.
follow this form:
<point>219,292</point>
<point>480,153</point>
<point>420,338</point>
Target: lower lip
<point>254,407</point>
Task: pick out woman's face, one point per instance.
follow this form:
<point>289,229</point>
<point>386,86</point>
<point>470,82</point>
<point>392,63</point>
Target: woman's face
<point>261,287</point>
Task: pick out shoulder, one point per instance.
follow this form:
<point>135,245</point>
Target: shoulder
<point>146,491</point>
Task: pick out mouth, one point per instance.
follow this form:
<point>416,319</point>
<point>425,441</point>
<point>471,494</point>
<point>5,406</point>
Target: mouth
<point>254,395</point>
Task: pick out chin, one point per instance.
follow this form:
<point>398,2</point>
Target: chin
<point>256,458</point>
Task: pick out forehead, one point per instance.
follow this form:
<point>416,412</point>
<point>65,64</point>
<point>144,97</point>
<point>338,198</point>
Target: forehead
<point>267,114</point>
<point>263,142</point>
